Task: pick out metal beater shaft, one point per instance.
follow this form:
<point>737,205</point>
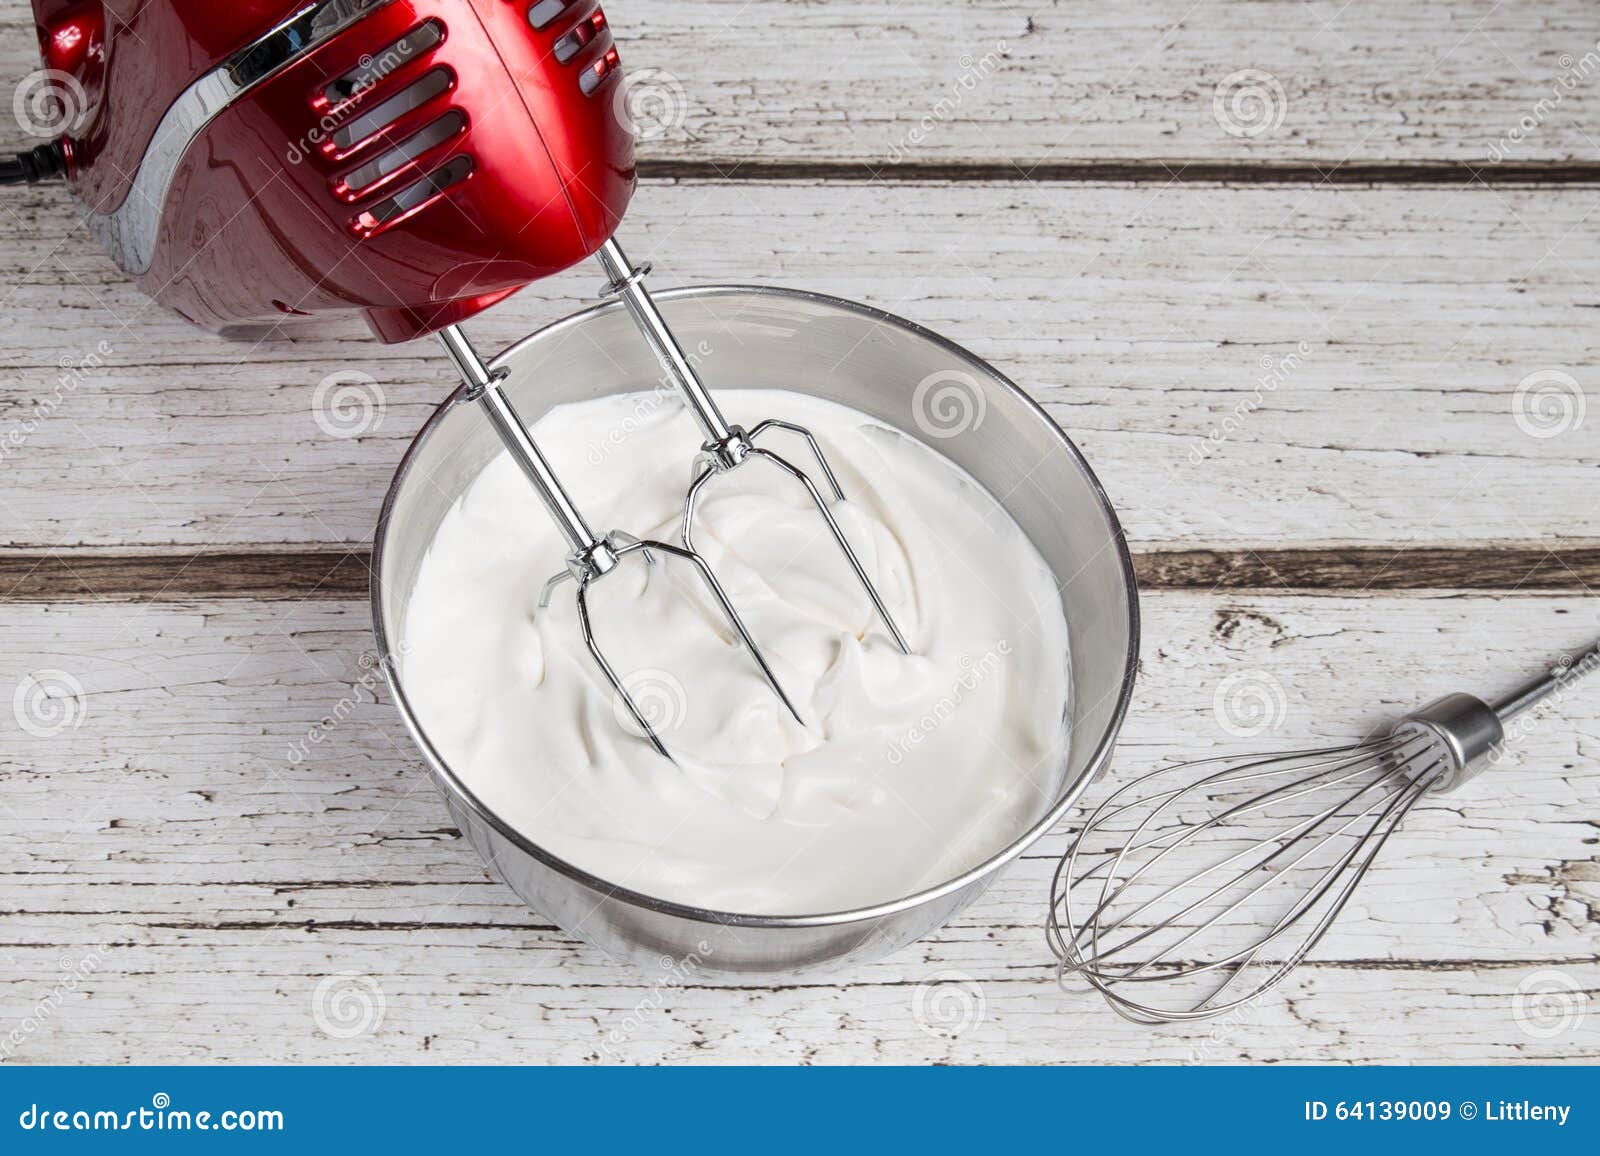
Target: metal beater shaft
<point>726,445</point>
<point>591,556</point>
<point>483,387</point>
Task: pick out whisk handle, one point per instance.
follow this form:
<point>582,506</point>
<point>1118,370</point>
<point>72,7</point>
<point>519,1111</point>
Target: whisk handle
<point>1470,731</point>
<point>1569,668</point>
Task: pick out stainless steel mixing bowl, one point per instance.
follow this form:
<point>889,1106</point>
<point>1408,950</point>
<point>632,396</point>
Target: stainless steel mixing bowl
<point>898,372</point>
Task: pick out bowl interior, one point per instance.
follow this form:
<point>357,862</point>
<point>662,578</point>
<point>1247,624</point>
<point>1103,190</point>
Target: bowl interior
<point>899,373</point>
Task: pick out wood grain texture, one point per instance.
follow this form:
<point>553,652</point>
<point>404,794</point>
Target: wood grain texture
<point>927,80</point>
<point>727,82</point>
<point>1254,367</point>
<point>215,824</point>
<point>183,833</point>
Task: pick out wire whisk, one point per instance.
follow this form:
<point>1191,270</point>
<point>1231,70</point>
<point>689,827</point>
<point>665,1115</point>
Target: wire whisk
<point>1197,888</point>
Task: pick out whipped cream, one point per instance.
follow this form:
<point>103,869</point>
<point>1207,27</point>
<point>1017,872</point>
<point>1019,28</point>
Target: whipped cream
<point>909,770</point>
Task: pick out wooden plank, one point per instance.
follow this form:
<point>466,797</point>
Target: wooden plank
<point>513,1007</point>
<point>182,833</point>
<point>345,575</point>
<point>1393,329</point>
<point>728,82</point>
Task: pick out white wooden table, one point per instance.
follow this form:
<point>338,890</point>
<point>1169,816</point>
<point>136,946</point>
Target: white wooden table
<point>1058,186</point>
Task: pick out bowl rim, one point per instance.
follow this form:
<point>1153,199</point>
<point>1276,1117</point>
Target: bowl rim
<point>463,795</point>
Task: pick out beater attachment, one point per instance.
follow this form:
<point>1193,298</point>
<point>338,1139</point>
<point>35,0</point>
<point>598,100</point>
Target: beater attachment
<point>592,556</point>
<point>1195,889</point>
<point>727,446</point>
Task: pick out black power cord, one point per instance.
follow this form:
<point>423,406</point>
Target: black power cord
<point>35,165</point>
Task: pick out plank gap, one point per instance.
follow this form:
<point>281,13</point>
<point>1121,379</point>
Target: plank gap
<point>1136,172</point>
<point>343,574</point>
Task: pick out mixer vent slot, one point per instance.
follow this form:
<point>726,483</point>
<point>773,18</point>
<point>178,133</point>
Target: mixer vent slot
<point>416,194</point>
<point>580,37</point>
<point>545,11</point>
<point>594,76</point>
<point>434,133</point>
<point>374,68</point>
<point>428,86</point>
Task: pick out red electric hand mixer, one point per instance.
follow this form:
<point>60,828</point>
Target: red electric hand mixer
<point>417,160</point>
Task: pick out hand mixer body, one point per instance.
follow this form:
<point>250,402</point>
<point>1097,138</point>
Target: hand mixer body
<point>415,160</point>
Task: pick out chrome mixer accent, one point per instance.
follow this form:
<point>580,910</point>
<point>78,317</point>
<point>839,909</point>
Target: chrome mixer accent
<point>128,232</point>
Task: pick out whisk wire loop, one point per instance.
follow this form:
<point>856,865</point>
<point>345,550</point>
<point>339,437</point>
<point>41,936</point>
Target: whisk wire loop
<point>1284,844</point>
<point>1314,851</point>
<point>1136,933</point>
